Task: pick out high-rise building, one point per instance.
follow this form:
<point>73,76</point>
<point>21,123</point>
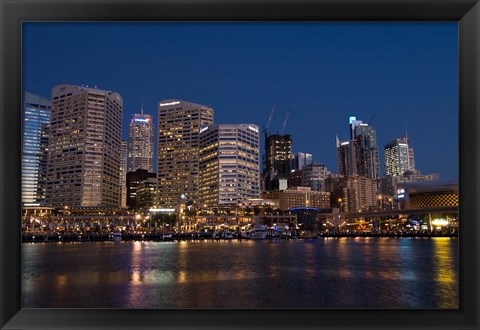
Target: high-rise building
<point>353,123</point>
<point>352,193</point>
<point>133,181</point>
<point>278,154</point>
<point>145,194</point>
<point>314,176</point>
<point>347,157</point>
<point>398,157</point>
<point>229,164</point>
<point>366,137</point>
<point>360,154</point>
<point>84,150</point>
<point>178,150</point>
<point>36,123</point>
<point>123,174</point>
<point>301,159</point>
<point>140,142</point>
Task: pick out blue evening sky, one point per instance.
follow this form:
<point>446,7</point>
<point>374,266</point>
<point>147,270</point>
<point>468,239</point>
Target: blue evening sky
<point>396,75</point>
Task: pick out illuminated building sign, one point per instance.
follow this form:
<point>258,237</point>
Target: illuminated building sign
<point>169,103</point>
<point>142,120</point>
<point>203,129</point>
<point>162,210</point>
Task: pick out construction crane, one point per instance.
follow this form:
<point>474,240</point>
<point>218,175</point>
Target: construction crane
<point>269,120</point>
<point>370,121</point>
<point>285,122</point>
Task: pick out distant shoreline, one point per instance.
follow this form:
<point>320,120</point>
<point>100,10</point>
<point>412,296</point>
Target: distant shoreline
<point>196,237</point>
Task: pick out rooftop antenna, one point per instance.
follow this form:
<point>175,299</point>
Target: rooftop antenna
<point>141,110</point>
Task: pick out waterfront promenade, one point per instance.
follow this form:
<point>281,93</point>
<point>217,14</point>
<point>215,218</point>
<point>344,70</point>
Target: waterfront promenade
<point>159,236</point>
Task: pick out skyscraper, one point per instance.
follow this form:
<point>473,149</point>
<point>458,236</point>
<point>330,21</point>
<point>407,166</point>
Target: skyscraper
<point>360,152</point>
<point>398,157</point>
<point>140,142</point>
<point>347,157</point>
<point>123,174</point>
<point>178,150</point>
<point>229,164</point>
<point>278,154</point>
<point>314,176</point>
<point>301,159</point>
<point>84,151</point>
<point>133,181</point>
<point>37,112</point>
<point>366,137</point>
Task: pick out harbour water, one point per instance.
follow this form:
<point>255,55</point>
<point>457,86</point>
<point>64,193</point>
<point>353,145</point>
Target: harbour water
<point>312,273</point>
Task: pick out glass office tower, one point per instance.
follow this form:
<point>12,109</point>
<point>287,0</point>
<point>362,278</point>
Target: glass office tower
<point>36,123</point>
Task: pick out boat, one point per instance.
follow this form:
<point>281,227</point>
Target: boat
<point>259,232</point>
<point>117,236</point>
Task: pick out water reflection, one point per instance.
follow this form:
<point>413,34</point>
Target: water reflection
<point>445,273</point>
<point>330,273</point>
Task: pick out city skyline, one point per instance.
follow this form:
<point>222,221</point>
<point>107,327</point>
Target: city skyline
<point>405,81</point>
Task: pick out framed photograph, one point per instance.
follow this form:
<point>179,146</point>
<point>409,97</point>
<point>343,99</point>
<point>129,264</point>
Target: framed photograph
<point>239,164</point>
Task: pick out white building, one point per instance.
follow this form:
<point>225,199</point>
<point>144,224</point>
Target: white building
<point>229,164</point>
<point>399,157</point>
<point>178,150</point>
<point>84,152</point>
<point>123,175</point>
<point>140,142</point>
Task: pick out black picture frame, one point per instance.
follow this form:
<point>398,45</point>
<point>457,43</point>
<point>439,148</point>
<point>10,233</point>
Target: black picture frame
<point>14,12</point>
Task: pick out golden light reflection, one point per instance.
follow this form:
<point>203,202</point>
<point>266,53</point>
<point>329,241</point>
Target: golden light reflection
<point>136,278</point>
<point>61,280</point>
<point>214,276</point>
<point>390,275</point>
<point>445,273</point>
<point>182,277</point>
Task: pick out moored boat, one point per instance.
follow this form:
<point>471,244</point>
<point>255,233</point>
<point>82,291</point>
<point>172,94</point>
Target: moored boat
<point>117,236</point>
<point>259,232</point>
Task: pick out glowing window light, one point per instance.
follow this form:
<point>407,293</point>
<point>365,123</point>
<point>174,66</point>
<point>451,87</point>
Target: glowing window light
<point>440,222</point>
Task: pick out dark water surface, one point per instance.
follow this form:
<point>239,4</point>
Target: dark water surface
<point>319,273</point>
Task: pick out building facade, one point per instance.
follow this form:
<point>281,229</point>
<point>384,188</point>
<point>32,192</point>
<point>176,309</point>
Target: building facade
<point>301,159</point>
<point>133,181</point>
<point>36,124</point>
<point>298,197</point>
<point>229,164</point>
<point>84,150</point>
<point>123,174</point>
<point>145,194</point>
<point>278,154</point>
<point>352,193</point>
<point>348,157</point>
<point>178,150</point>
<point>366,137</point>
<point>433,194</point>
<point>360,154</point>
<point>140,142</point>
<point>314,176</point>
<point>399,157</point>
